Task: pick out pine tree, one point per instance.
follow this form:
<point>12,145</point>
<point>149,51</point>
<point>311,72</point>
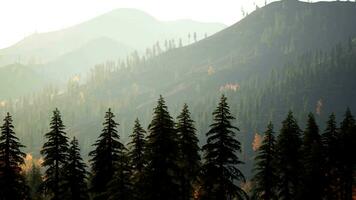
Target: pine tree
<point>55,153</point>
<point>137,158</point>
<point>162,150</point>
<point>12,183</point>
<point>121,186</point>
<point>105,157</point>
<point>312,176</point>
<point>266,179</point>
<point>346,146</point>
<point>76,174</point>
<point>219,171</point>
<point>329,141</point>
<point>189,153</point>
<point>288,158</point>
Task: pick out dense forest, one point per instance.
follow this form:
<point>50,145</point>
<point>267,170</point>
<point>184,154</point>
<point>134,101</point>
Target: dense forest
<point>166,161</point>
<point>78,124</point>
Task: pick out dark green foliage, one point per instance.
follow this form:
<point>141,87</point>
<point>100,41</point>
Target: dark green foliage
<point>12,182</point>
<point>219,171</point>
<point>266,178</point>
<point>75,176</point>
<point>288,158</point>
<point>55,155</point>
<point>120,187</point>
<point>312,175</point>
<point>105,157</point>
<point>189,153</point>
<point>34,180</point>
<point>346,147</point>
<point>137,158</point>
<point>162,156</point>
<point>330,154</point>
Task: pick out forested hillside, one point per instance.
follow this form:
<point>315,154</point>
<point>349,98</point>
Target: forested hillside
<point>287,55</point>
<point>58,56</point>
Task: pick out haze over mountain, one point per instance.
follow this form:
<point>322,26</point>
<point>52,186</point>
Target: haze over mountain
<point>75,50</point>
<point>130,27</point>
<point>260,63</point>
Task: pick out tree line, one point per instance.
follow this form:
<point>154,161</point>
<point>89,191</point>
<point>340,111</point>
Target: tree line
<point>306,164</point>
<point>166,162</point>
<point>162,163</point>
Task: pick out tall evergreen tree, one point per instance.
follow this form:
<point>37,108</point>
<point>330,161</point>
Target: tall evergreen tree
<point>312,176</point>
<point>12,183</point>
<point>219,171</point>
<point>288,158</point>
<point>76,174</point>
<point>137,158</point>
<point>329,141</point>
<point>120,187</point>
<point>162,150</point>
<point>55,155</point>
<point>105,157</point>
<point>189,153</point>
<point>266,179</point>
<point>346,146</point>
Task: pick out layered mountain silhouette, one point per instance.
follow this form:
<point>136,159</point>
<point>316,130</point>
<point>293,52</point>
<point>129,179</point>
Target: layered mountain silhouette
<point>58,55</point>
<point>288,55</point>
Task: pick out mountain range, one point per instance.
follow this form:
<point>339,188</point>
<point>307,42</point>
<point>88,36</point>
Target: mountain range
<point>288,55</point>
<point>61,54</point>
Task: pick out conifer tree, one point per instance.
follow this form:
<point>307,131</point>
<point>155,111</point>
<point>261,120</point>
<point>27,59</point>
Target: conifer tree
<point>189,153</point>
<point>312,175</point>
<point>137,158</point>
<point>162,150</point>
<point>76,174</point>
<point>219,171</point>
<point>12,183</point>
<point>346,145</point>
<point>288,158</point>
<point>120,187</point>
<point>55,155</point>
<point>329,141</point>
<point>266,179</point>
<point>105,157</point>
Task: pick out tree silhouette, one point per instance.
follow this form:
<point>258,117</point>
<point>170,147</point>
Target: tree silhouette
<point>189,152</point>
<point>346,145</point>
<point>137,158</point>
<point>219,171</point>
<point>120,187</point>
<point>55,154</point>
<point>266,178</point>
<point>12,183</point>
<point>105,157</point>
<point>312,179</point>
<point>76,174</point>
<point>330,154</point>
<point>288,158</point>
<point>162,150</point>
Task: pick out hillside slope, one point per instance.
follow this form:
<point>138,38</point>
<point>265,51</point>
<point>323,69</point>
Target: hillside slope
<point>131,27</point>
<point>287,55</point>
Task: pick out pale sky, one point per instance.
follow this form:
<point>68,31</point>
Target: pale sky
<point>20,18</point>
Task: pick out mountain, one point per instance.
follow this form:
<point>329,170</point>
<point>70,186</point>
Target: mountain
<point>17,79</point>
<point>286,55</point>
<point>62,54</point>
<point>130,27</point>
<point>81,60</point>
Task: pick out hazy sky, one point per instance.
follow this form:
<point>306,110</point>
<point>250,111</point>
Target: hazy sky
<point>20,18</point>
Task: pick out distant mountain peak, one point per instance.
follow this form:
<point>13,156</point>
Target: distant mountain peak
<point>129,13</point>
